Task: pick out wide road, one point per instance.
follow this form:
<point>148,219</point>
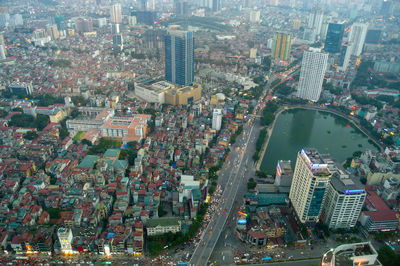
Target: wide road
<point>233,176</point>
<point>309,262</point>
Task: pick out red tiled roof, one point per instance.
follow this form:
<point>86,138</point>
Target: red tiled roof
<point>383,212</point>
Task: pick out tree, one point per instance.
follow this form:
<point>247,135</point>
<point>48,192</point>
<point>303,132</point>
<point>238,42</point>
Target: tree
<point>42,121</point>
<point>54,213</point>
<point>30,135</point>
<point>161,211</point>
<point>251,184</point>
<point>266,63</point>
<point>87,142</point>
<point>388,257</point>
<point>75,113</point>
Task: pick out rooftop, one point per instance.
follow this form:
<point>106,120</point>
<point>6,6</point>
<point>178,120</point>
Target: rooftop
<point>163,222</point>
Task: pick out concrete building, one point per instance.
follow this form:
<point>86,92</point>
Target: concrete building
<point>344,58</point>
<point>20,88</point>
<point>310,180</point>
<point>379,216</point>
<point>65,238</point>
<point>315,20</point>
<point>281,46</point>
<point>163,225</point>
<point>153,92</point>
<point>118,42</point>
<point>344,200</point>
<point>126,128</point>
<point>167,92</point>
<point>183,95</point>
<point>179,57</point>
<point>351,254</point>
<point>284,174</point>
<point>255,16</point>
<point>334,38</point>
<point>312,74</point>
<point>3,44</point>
<point>357,37</point>
<point>132,21</point>
<point>217,119</point>
<point>116,14</point>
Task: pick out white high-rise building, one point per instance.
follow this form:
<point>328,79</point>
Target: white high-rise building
<point>254,16</point>
<point>65,238</point>
<point>315,21</point>
<point>345,197</point>
<point>344,58</point>
<point>2,53</point>
<point>312,74</point>
<point>217,119</point>
<point>116,14</point>
<point>357,37</point>
<point>310,180</point>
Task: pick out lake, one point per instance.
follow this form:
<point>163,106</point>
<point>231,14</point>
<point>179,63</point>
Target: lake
<point>301,128</point>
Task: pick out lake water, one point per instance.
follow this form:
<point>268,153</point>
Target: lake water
<point>301,128</point>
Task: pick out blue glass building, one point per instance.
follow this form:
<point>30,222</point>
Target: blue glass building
<point>179,57</point>
<point>334,38</point>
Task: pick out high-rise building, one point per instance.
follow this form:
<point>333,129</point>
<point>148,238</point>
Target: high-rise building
<point>179,57</point>
<point>2,54</point>
<point>345,197</point>
<point>3,43</point>
<point>281,46</point>
<point>216,5</point>
<point>315,21</point>
<point>145,17</point>
<point>65,238</point>
<point>118,43</point>
<point>217,119</point>
<point>386,8</point>
<point>254,16</point>
<point>116,14</point>
<point>357,37</point>
<point>84,25</point>
<point>373,36</point>
<point>284,174</point>
<point>312,74</point>
<point>345,54</point>
<point>115,28</point>
<point>181,7</point>
<point>334,37</point>
<point>52,31</point>
<point>143,5</point>
<point>310,180</point>
<point>132,21</point>
<point>296,23</point>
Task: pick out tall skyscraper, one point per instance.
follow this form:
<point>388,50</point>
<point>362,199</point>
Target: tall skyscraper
<point>345,53</point>
<point>143,5</point>
<point>179,57</point>
<point>217,119</point>
<point>312,74</point>
<point>3,43</point>
<point>281,46</point>
<point>334,37</point>
<point>310,180</point>
<point>345,197</point>
<point>181,7</point>
<point>315,21</point>
<point>116,14</point>
<point>118,43</point>
<point>357,37</point>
